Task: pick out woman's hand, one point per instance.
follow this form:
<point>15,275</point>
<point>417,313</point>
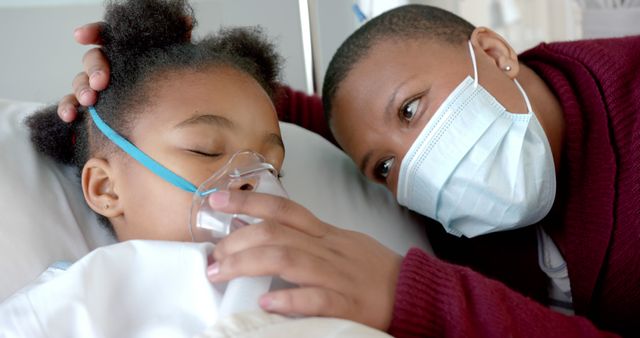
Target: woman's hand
<point>93,79</point>
<point>341,273</point>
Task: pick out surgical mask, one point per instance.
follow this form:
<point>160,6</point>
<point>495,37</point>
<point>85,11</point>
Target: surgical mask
<point>477,168</point>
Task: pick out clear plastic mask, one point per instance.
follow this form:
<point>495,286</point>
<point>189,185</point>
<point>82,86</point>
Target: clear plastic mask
<point>245,170</point>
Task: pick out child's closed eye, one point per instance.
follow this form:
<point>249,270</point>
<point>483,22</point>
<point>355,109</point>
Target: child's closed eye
<point>204,153</point>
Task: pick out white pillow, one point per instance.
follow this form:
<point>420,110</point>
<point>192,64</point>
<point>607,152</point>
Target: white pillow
<point>44,218</point>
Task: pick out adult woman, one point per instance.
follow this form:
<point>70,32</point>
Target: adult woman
<point>387,87</point>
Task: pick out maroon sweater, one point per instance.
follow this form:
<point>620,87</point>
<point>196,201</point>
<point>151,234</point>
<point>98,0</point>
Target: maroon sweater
<point>595,221</point>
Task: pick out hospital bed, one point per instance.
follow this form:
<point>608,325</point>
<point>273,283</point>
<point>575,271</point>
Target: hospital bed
<point>44,219</point>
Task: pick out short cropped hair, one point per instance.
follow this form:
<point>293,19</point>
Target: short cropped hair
<point>405,22</point>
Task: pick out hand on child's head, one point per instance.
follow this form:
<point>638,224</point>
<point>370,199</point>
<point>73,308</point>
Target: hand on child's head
<point>96,71</point>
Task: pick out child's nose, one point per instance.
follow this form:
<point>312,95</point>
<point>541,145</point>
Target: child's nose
<point>247,184</point>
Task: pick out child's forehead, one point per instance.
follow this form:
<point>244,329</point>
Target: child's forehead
<point>222,91</point>
<point>212,84</point>
<point>216,72</point>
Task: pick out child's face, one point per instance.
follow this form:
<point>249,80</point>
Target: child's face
<point>389,96</point>
<point>193,124</point>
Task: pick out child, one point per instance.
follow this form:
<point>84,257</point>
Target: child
<point>188,106</point>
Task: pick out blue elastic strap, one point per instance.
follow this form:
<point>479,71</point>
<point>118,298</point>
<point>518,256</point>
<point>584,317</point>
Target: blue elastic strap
<point>141,157</point>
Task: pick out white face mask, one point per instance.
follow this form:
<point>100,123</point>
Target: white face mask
<point>477,168</point>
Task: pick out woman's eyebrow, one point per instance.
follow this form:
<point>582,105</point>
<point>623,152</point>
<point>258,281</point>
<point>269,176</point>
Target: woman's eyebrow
<point>214,120</point>
<point>365,161</point>
<point>388,109</point>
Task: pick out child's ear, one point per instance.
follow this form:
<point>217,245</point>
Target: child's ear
<point>98,184</point>
<point>497,48</point>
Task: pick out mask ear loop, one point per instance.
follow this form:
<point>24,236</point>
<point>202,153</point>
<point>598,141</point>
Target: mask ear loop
<point>475,78</point>
<point>524,95</point>
<point>475,66</point>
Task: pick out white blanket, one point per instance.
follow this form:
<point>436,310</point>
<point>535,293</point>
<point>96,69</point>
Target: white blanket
<point>146,289</point>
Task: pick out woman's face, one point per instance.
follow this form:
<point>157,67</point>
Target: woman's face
<point>389,96</point>
<point>193,124</point>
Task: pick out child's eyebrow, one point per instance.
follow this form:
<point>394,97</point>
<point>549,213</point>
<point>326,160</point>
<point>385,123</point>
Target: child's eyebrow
<point>215,120</point>
<point>275,139</point>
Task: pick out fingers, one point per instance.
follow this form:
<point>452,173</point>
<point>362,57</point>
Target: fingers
<point>325,302</point>
<point>86,84</point>
<point>291,264</point>
<point>94,78</point>
<point>266,233</point>
<point>267,206</point>
<point>83,93</point>
<point>189,21</point>
<point>308,301</point>
<point>89,34</point>
<point>96,67</point>
<point>67,108</point>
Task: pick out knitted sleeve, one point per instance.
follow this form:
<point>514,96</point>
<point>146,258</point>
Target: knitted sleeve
<point>438,299</point>
<point>303,110</point>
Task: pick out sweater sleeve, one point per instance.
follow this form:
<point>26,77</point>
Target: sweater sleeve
<point>303,110</point>
<point>438,299</point>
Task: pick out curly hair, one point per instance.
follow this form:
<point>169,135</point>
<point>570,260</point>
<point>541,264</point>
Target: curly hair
<point>143,40</point>
<point>405,22</point>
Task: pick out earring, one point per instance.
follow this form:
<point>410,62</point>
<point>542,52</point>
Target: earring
<point>507,68</point>
<point>106,206</point>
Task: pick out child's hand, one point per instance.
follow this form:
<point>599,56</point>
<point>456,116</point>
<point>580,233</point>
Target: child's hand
<point>341,273</point>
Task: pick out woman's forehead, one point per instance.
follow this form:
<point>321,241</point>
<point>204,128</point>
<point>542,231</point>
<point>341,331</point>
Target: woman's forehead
<point>391,62</point>
<point>388,61</point>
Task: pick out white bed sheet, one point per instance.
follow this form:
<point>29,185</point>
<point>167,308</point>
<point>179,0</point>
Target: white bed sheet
<point>146,289</point>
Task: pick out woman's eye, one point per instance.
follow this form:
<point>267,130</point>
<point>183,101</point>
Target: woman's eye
<point>409,110</point>
<point>383,168</point>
